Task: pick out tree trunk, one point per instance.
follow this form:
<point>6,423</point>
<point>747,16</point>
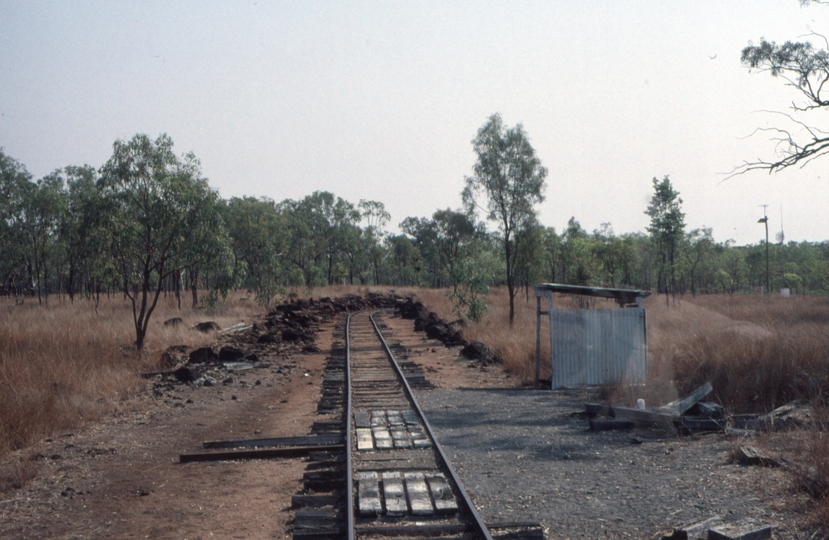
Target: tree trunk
<point>194,287</point>
<point>177,286</point>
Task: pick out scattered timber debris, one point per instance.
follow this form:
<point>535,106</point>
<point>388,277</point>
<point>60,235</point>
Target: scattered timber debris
<point>687,414</point>
<point>789,416</point>
<point>751,455</point>
<point>713,528</point>
<point>691,414</point>
<point>695,530</point>
<point>745,529</point>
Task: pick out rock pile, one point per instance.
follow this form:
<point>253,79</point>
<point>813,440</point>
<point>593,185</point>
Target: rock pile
<point>292,326</point>
<point>435,328</point>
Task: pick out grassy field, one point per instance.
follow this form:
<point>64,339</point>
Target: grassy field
<point>67,364</point>
<point>758,353</point>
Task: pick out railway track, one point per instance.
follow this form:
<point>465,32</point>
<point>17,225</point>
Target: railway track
<point>400,481</point>
<point>391,479</point>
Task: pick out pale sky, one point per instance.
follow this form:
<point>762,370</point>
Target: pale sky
<point>380,100</point>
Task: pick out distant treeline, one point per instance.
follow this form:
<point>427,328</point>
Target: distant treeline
<point>147,220</point>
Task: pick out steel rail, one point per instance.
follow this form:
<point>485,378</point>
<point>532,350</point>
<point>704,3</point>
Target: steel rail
<point>349,480</point>
<point>478,521</point>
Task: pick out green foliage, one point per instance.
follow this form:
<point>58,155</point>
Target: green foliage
<point>147,222</point>
<point>472,277</point>
<point>258,237</point>
<point>666,228</point>
<point>160,216</point>
<point>508,181</point>
<point>210,303</point>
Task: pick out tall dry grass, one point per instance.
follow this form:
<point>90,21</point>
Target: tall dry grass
<point>514,346</point>
<point>758,353</point>
<point>65,364</point>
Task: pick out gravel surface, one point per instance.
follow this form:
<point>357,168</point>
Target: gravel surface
<point>528,455</point>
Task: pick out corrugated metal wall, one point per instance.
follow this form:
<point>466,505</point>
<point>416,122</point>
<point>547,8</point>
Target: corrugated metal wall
<point>598,346</point>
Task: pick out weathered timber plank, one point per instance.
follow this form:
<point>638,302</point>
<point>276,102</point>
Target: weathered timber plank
<point>400,438</point>
<point>393,494</point>
<point>324,456</point>
<point>361,419</point>
<point>500,530</point>
<point>410,417</point>
<point>382,438</point>
<point>594,409</point>
<point>368,494</point>
<point>395,418</point>
<point>265,453</point>
<point>364,439</point>
<point>695,530</point>
<point>316,518</point>
<point>442,496</point>
<point>745,529</point>
<point>333,533</point>
<point>418,492</point>
<point>314,501</point>
<point>323,483</point>
<point>751,455</point>
<point>609,424</point>
<point>710,409</point>
<point>696,423</point>
<point>398,465</point>
<point>680,406</point>
<point>308,440</point>
<point>644,416</point>
<point>421,443</point>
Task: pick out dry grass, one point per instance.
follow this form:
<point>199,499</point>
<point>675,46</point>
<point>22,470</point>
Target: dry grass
<point>758,353</point>
<point>514,346</point>
<point>66,364</point>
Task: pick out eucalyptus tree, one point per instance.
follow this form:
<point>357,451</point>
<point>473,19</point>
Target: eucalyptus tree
<point>44,207</point>
<point>375,217</point>
<point>667,229</point>
<point>404,260</point>
<point>806,69</point>
<point>508,181</point>
<point>424,236</point>
<point>454,234</point>
<point>157,207</point>
<point>607,248</point>
<point>321,227</point>
<point>578,259</point>
<point>530,261</point>
<point>15,181</point>
<point>551,243</point>
<point>443,241</point>
<point>259,236</point>
<point>698,250</point>
<point>78,228</point>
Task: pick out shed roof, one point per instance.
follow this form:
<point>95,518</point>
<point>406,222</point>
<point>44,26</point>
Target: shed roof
<point>622,296</point>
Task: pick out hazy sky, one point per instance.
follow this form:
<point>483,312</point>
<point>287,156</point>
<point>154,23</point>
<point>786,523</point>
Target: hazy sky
<point>380,100</point>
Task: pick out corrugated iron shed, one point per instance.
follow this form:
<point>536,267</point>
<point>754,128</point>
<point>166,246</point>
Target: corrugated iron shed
<point>591,347</point>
